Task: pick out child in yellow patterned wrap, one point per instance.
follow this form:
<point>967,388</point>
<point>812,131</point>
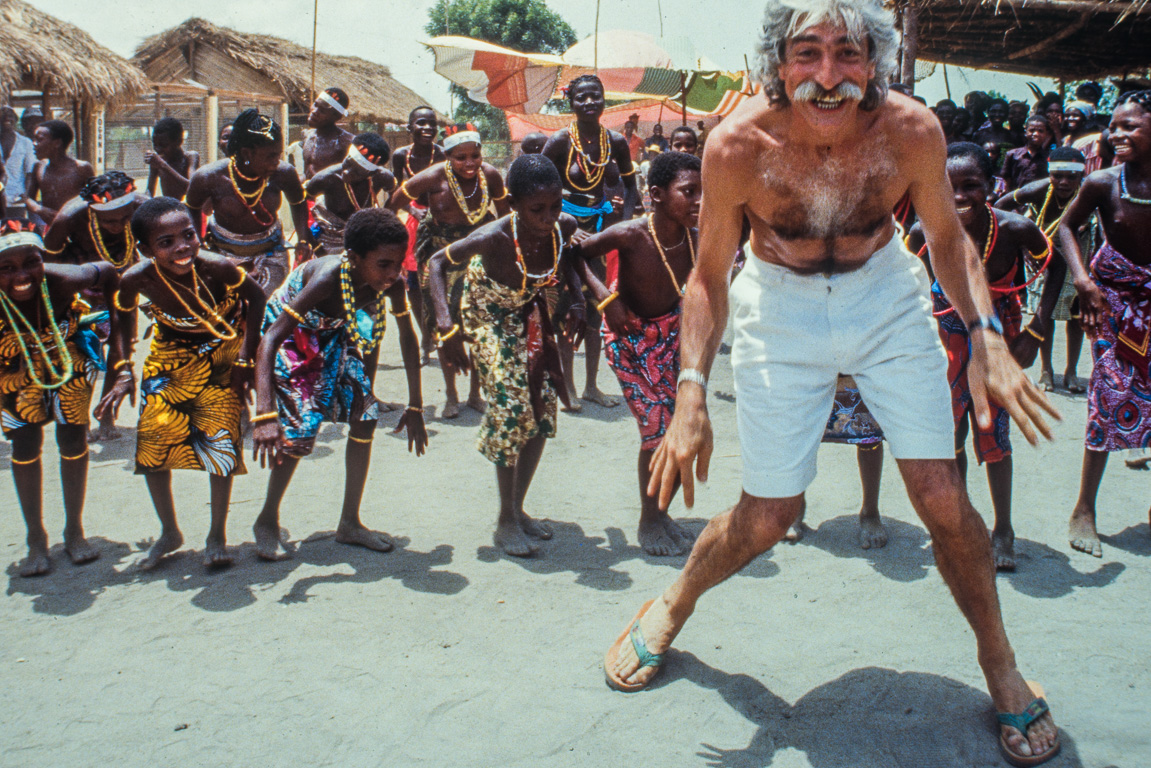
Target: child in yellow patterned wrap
<point>207,313</point>
<point>505,317</point>
<point>46,375</point>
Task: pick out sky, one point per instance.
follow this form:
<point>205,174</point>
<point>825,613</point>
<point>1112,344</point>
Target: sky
<point>389,32</point>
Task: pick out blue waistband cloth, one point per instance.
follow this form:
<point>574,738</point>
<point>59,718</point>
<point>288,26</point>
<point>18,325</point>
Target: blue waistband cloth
<point>583,212</point>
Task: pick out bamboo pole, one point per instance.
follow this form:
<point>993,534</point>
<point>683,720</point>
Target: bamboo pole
<point>910,45</point>
<point>315,25</point>
<point>595,45</point>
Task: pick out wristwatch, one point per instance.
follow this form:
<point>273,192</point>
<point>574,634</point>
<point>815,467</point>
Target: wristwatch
<point>692,375</point>
<point>990,322</point>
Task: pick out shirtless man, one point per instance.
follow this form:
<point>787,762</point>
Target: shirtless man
<point>246,191</point>
<point>327,143</point>
<point>170,165</point>
<point>533,143</point>
<point>582,152</point>
<point>57,177</point>
<point>817,165</point>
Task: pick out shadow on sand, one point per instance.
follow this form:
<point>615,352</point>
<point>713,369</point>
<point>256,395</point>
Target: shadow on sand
<point>1135,539</point>
<point>69,589</point>
<point>595,559</point>
<point>868,718</point>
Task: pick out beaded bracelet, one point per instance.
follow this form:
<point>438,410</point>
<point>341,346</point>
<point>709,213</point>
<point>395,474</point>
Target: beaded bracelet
<point>121,363</point>
<point>242,363</point>
<point>416,409</point>
<point>1036,335</point>
<point>441,339</point>
<point>600,307</point>
<point>293,314</point>
<point>264,417</point>
<point>116,303</point>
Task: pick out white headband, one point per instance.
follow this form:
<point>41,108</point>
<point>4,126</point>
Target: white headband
<point>363,162</point>
<point>1066,165</point>
<point>327,99</point>
<point>119,202</point>
<point>463,137</point>
<point>19,239</point>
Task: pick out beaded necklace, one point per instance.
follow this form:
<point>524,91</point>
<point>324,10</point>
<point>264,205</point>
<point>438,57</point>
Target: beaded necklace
<point>1043,213</point>
<point>379,323</point>
<point>408,161</point>
<point>60,376</point>
<point>102,248</point>
<point>352,195</point>
<point>992,234</point>
<point>251,200</point>
<point>476,216</point>
<point>544,278</point>
<point>1123,189</point>
<point>663,256</point>
<point>229,332</point>
<point>593,171</point>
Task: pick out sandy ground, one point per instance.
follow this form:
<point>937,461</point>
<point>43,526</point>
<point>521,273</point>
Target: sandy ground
<point>444,653</point>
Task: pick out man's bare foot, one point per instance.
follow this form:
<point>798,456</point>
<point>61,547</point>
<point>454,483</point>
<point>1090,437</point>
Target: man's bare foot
<point>271,542</point>
<point>216,554</point>
<point>477,404</point>
<point>165,545</point>
<point>535,529</point>
<point>1082,534</point>
<point>872,534</point>
<point>1003,545</point>
<point>593,395</point>
<point>512,540</point>
<point>664,537</point>
<point>658,632</point>
<point>1138,463</point>
<point>1046,381</point>
<point>361,536</point>
<point>37,563</point>
<point>80,550</point>
<point>1014,696</point>
<point>451,410</point>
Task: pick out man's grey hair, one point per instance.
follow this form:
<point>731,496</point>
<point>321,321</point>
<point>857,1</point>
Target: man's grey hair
<point>868,23</point>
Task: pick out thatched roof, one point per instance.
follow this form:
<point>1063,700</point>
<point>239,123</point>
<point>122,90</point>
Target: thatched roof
<point>40,51</point>
<point>375,95</point>
<point>1069,39</point>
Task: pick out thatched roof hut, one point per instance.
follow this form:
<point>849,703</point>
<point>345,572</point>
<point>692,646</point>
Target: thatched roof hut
<point>41,53</point>
<point>1067,39</point>
<point>223,58</point>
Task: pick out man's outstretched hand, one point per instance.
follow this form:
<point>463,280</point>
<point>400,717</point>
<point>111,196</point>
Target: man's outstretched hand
<point>995,376</point>
<point>688,439</point>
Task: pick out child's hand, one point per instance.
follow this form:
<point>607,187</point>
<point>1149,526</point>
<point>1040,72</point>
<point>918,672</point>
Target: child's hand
<point>304,251</point>
<point>125,386</point>
<point>575,325</point>
<point>243,381</point>
<point>621,320</point>
<point>267,442</point>
<point>413,421</point>
<point>452,351</point>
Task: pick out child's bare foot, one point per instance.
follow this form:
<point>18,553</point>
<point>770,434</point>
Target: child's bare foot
<point>79,549</point>
<point>37,563</point>
<point>872,534</point>
<point>386,407</point>
<point>1047,381</point>
<point>575,407</point>
<point>104,433</point>
<point>451,410</point>
<point>664,537</point>
<point>357,534</point>
<point>216,554</point>
<point>168,543</point>
<point>1082,534</point>
<point>1003,545</point>
<point>593,395</point>
<point>512,540</point>
<point>536,529</point>
<point>271,542</point>
<point>477,403</point>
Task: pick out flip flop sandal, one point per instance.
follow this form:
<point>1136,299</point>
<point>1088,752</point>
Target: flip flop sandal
<point>1021,722</point>
<point>639,645</point>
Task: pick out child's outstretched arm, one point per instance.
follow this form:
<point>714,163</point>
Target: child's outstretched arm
<point>413,417</point>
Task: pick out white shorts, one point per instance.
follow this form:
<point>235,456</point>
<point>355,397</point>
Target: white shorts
<point>794,335</point>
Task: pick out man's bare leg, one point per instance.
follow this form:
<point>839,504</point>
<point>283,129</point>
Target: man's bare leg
<point>27,475</point>
<point>216,552</point>
<point>160,488</point>
<point>357,461</point>
<point>872,534</point>
<point>269,541</point>
<point>1081,530</point>
<point>658,534</point>
<point>728,543</point>
<point>963,554</point>
<point>73,445</point>
<point>1003,536</point>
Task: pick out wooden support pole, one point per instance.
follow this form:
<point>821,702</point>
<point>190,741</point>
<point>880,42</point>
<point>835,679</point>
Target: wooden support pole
<point>910,45</point>
<point>212,127</point>
<point>284,120</point>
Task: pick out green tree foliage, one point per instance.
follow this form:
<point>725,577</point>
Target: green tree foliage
<point>522,25</point>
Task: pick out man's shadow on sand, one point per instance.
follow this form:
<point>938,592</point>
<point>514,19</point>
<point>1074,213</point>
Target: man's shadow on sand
<point>1041,571</point>
<point>69,590</point>
<point>595,559</point>
<point>868,718</point>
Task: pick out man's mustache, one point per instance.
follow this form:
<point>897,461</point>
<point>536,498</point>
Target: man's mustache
<point>809,90</point>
